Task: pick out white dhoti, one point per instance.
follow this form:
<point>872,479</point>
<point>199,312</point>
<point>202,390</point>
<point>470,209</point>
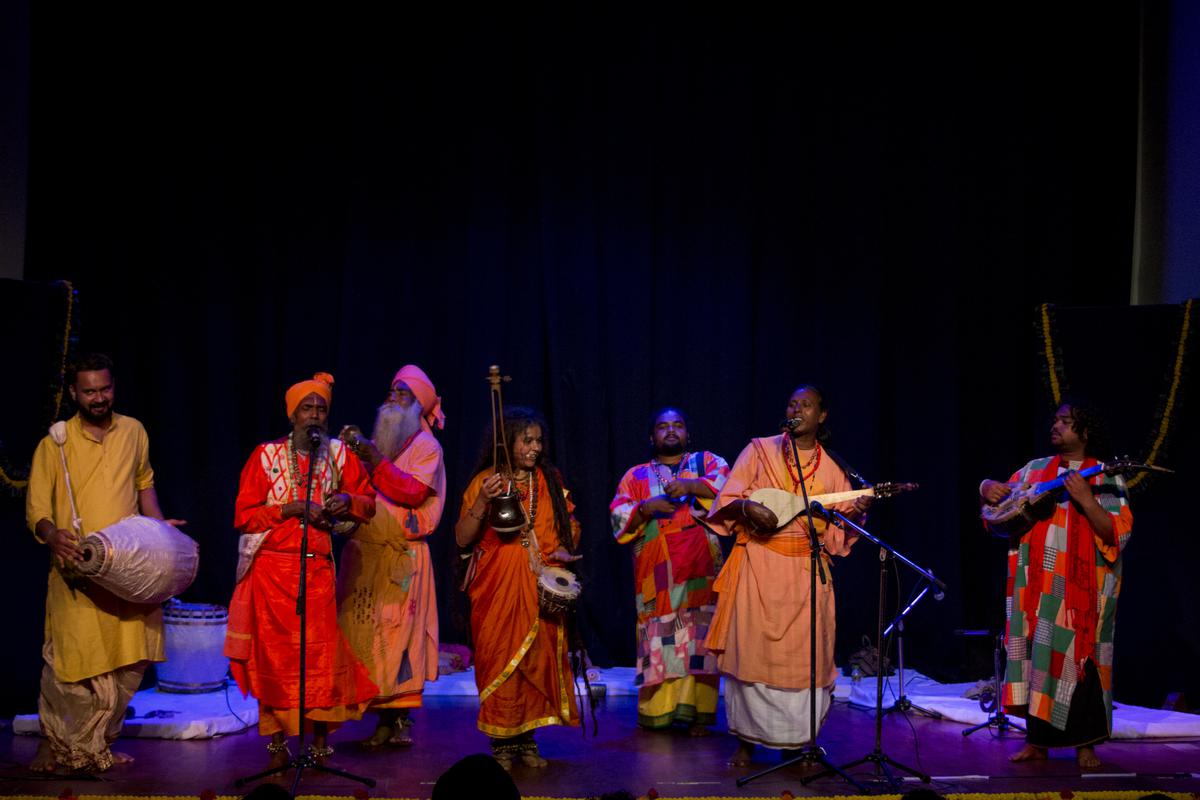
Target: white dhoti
<point>775,718</point>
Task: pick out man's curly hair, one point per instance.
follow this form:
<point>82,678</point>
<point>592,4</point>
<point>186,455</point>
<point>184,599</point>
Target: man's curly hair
<point>1090,426</point>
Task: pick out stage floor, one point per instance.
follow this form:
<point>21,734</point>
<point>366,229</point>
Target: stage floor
<point>623,756</point>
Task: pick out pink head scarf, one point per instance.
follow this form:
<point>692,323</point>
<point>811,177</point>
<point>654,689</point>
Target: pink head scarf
<point>422,387</point>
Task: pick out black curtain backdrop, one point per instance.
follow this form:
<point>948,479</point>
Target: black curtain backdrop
<point>622,209</point>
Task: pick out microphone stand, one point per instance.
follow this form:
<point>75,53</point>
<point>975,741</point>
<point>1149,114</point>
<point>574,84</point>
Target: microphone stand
<point>303,759</point>
<point>880,759</point>
<point>998,719</point>
<point>810,753</point>
<point>902,703</point>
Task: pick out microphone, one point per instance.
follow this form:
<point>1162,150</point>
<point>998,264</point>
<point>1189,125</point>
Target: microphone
<point>818,510</point>
<point>314,437</point>
<point>790,424</point>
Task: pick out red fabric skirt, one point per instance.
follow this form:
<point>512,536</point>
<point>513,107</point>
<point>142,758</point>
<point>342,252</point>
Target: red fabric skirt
<point>263,642</point>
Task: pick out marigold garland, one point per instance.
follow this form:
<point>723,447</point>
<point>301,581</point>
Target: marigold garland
<point>1052,365</point>
<point>15,484</point>
<point>1164,420</point>
<point>1172,398</point>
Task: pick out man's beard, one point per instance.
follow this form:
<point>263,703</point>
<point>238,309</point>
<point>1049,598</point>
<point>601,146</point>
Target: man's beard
<point>394,424</point>
<point>96,419</point>
<point>670,449</point>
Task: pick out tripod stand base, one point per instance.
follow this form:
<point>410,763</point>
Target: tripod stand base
<point>881,760</point>
<point>999,721</point>
<point>811,754</point>
<point>903,704</point>
<point>300,763</point>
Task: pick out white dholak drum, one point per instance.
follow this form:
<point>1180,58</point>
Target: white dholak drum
<point>194,638</point>
<point>558,589</point>
<point>140,559</point>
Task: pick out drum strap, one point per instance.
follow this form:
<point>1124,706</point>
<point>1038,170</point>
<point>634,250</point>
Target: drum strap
<point>55,434</point>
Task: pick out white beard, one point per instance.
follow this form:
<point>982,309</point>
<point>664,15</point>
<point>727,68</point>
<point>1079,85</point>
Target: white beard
<point>394,424</point>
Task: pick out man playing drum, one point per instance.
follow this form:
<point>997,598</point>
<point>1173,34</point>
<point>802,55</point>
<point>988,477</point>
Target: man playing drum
<point>675,560</point>
<point>387,606</point>
<point>263,636</point>
<point>521,665</point>
<point>97,646</point>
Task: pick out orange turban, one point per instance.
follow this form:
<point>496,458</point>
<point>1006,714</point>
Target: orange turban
<point>422,387</point>
<point>321,384</point>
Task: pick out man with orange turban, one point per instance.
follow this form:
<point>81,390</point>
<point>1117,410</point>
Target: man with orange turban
<point>262,641</point>
<point>387,605</point>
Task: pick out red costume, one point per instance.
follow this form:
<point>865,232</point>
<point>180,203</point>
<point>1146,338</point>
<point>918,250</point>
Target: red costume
<point>263,638</point>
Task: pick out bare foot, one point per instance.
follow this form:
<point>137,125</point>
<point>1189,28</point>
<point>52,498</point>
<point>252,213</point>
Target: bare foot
<point>382,736</point>
<point>43,761</point>
<point>698,730</point>
<point>533,760</point>
<point>121,758</point>
<point>505,760</point>
<point>1086,756</point>
<point>743,755</point>
<point>1030,752</point>
<point>402,737</point>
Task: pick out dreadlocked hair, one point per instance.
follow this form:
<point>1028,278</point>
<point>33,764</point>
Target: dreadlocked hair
<point>518,419</point>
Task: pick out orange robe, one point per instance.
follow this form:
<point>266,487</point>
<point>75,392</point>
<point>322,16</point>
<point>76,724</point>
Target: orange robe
<point>521,666</point>
<point>761,629</point>
<point>263,639</point>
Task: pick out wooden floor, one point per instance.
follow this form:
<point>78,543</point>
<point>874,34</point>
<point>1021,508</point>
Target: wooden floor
<point>623,756</point>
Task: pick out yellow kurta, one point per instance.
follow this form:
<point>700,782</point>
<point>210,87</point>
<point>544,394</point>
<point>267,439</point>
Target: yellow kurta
<point>92,630</point>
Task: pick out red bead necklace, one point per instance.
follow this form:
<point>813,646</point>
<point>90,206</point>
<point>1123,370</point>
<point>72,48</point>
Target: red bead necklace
<point>813,462</point>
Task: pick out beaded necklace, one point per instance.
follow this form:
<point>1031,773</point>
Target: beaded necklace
<point>528,493</point>
<point>814,462</point>
<point>326,477</point>
<point>664,470</point>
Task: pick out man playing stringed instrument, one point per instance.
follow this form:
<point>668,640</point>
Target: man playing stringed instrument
<point>761,629</point>
<point>1064,576</point>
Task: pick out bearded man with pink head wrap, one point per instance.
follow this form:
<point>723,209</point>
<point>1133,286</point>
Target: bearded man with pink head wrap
<point>386,599</point>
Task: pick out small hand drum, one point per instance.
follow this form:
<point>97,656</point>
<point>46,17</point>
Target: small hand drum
<point>558,589</point>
